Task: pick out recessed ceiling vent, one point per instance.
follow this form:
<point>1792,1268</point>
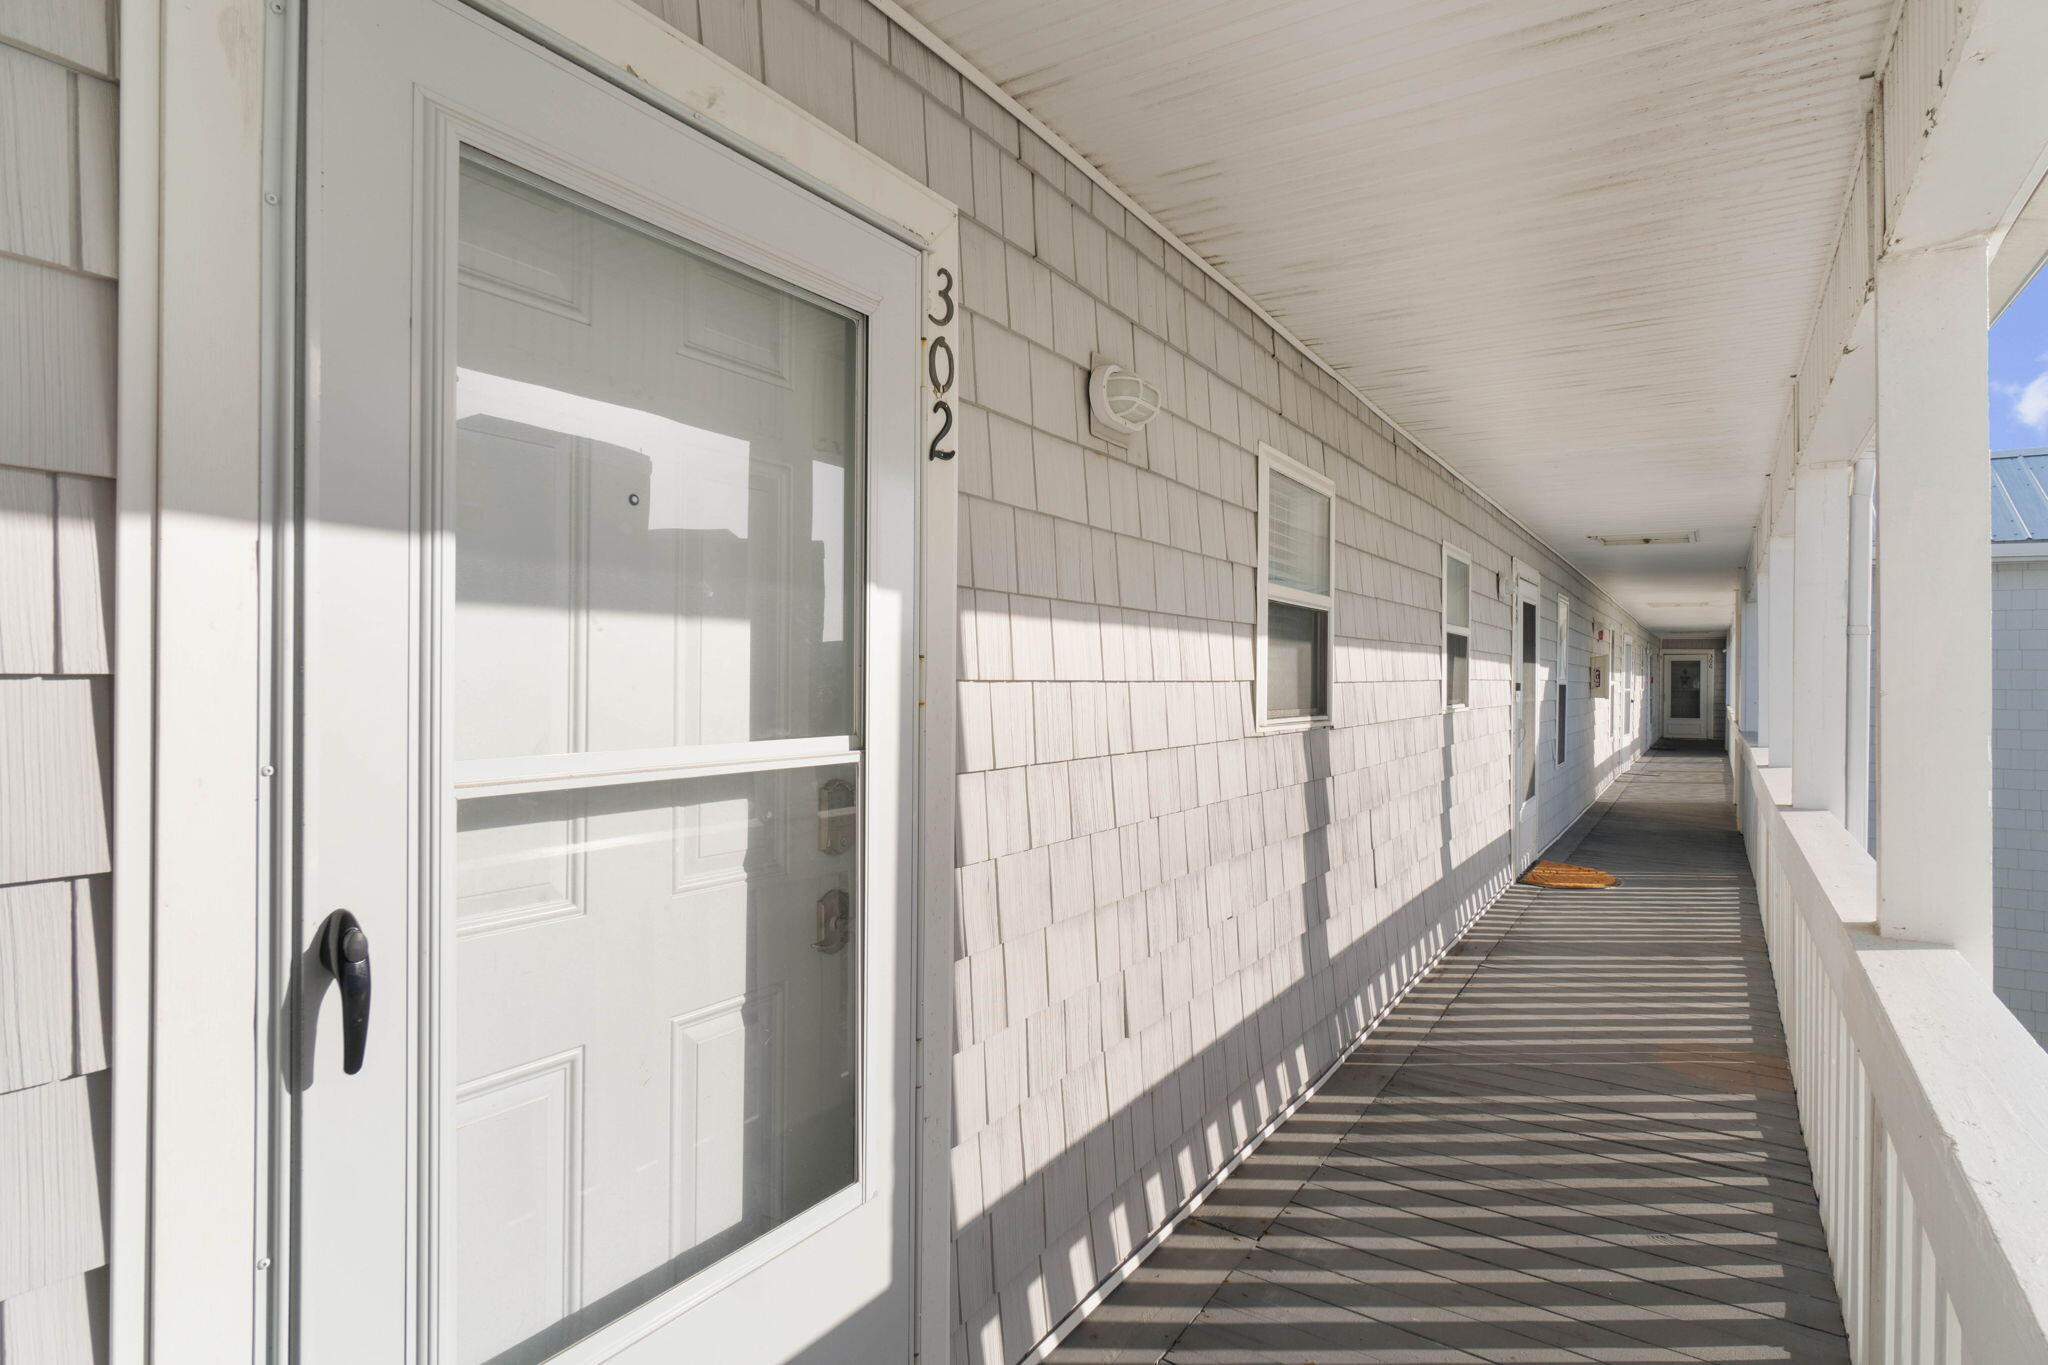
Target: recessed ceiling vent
<point>1648,538</point>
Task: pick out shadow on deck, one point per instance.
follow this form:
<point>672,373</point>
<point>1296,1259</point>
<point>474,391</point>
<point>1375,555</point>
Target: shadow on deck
<point>1576,1141</point>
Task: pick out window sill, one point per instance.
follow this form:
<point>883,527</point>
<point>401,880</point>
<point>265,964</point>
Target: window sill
<point>1290,724</point>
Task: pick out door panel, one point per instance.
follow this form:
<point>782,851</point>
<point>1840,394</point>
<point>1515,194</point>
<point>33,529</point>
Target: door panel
<point>1688,696</point>
<point>602,727</point>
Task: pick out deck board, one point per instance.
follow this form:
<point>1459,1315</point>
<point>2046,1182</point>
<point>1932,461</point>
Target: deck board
<point>1576,1141</point>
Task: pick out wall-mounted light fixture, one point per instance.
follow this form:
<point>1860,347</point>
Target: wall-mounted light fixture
<point>1119,401</point>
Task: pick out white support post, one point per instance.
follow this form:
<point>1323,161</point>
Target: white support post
<point>1820,665</point>
<point>1861,544</point>
<point>1934,601</point>
<point>1749,621</point>
<point>1759,712</point>
<point>1780,634</point>
<point>1738,660</point>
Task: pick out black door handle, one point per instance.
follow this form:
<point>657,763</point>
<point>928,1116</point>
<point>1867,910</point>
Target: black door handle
<point>345,951</point>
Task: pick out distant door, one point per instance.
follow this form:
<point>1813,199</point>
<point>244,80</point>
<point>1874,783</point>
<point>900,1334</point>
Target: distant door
<point>1528,714</point>
<point>604,755</point>
<point>1689,696</point>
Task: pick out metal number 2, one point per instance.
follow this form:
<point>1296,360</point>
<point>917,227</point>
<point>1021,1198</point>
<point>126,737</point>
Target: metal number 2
<point>941,380</point>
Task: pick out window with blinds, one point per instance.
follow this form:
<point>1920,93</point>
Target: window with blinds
<point>1457,608</point>
<point>1297,552</point>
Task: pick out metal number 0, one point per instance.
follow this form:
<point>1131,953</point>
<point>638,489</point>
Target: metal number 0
<point>941,380</point>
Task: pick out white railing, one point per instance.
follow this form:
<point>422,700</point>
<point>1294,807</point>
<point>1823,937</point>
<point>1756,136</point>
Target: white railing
<point>1925,1102</point>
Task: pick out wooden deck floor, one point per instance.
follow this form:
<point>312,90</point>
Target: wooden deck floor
<point>1575,1142</point>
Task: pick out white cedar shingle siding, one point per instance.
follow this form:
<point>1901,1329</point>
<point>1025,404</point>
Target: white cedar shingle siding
<point>57,254</point>
<point>28,577</point>
<point>1166,922</point>
<point>50,1213</point>
<point>53,814</point>
<point>56,1324</point>
<point>38,985</point>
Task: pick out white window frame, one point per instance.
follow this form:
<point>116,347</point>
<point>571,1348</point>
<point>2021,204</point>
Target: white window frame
<point>1274,461</point>
<point>1450,553</point>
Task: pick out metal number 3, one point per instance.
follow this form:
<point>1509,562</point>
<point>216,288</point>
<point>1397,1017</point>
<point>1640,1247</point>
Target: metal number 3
<point>941,368</point>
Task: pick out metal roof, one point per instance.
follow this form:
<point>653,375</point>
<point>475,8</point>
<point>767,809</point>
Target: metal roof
<point>2019,495</point>
<point>1574,245</point>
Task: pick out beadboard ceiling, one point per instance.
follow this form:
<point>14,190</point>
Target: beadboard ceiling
<point>1573,246</point>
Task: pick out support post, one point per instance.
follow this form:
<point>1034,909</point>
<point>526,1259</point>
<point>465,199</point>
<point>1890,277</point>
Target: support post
<point>1934,601</point>
<point>1820,666</point>
<point>1748,622</point>
<point>1862,544</point>
<point>1778,656</point>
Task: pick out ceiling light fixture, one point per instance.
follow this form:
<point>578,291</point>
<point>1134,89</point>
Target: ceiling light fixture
<point>1649,538</point>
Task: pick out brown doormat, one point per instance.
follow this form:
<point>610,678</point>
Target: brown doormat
<point>1566,877</point>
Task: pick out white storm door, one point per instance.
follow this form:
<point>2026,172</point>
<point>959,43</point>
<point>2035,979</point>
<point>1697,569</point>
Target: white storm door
<point>1528,698</point>
<point>1688,693</point>
<point>607,546</point>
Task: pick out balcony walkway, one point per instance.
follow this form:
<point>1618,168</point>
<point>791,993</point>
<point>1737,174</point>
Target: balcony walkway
<point>1576,1141</point>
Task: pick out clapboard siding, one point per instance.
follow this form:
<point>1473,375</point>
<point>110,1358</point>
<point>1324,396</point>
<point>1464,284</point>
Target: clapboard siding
<point>1167,921</point>
<point>58,227</point>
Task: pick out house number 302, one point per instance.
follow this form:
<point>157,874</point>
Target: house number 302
<point>941,368</point>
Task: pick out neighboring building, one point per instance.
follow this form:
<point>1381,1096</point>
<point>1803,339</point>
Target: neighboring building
<point>2019,566</point>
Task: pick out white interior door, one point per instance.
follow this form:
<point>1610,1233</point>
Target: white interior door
<point>605,573</point>
<point>1688,696</point>
<point>1528,718</point>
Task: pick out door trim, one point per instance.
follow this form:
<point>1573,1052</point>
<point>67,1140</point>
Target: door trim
<point>204,463</point>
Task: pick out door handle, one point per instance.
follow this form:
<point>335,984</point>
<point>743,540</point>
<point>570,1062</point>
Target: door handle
<point>345,952</point>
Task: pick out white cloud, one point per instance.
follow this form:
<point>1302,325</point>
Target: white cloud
<point>2030,405</point>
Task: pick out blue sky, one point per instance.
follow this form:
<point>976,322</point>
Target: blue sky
<point>2019,370</point>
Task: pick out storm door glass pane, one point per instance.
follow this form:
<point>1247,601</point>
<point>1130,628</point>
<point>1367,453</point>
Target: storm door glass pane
<point>1685,689</point>
<point>657,453</point>
<point>660,1065</point>
<point>654,495</point>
